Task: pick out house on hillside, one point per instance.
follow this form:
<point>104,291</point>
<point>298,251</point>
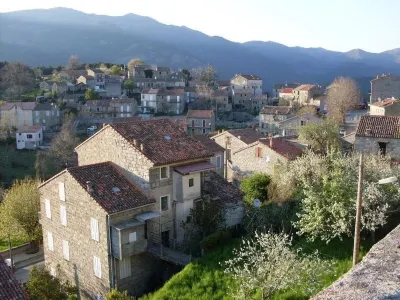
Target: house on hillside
<point>87,80</point>
<point>270,116</point>
<point>286,93</point>
<point>111,221</point>
<point>99,78</point>
<point>291,126</point>
<point>305,92</point>
<point>71,75</point>
<point>62,87</point>
<point>30,137</point>
<point>278,88</point>
<point>219,152</point>
<point>113,86</point>
<point>384,86</point>
<point>387,107</point>
<point>241,98</point>
<point>46,85</point>
<point>378,134</point>
<point>163,101</point>
<point>222,100</point>
<point>257,102</point>
<point>262,156</point>
<point>200,121</point>
<point>251,83</point>
<point>112,108</point>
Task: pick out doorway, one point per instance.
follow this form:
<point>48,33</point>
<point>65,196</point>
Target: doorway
<point>165,238</point>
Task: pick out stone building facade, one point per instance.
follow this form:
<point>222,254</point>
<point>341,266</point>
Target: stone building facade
<point>200,121</point>
<point>270,116</point>
<point>387,107</point>
<point>252,83</point>
<point>384,86</point>
<point>305,92</point>
<point>291,126</point>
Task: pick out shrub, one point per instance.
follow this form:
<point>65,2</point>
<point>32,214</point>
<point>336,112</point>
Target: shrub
<point>219,238</point>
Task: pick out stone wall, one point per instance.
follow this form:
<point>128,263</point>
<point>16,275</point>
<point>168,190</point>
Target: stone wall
<point>80,209</point>
<point>369,145</point>
<point>385,87</point>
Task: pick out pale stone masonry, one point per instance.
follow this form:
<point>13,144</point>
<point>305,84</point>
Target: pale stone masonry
<point>271,116</point>
<point>200,121</point>
<point>384,86</point>
<point>387,107</point>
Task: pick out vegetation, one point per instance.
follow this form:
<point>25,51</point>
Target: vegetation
<point>16,79</point>
<point>307,110</point>
<point>19,212</point>
<point>43,286</point>
<point>117,295</point>
<point>115,70</point>
<point>134,62</point>
<point>320,136</point>
<point>15,242</point>
<point>255,187</point>
<point>90,94</point>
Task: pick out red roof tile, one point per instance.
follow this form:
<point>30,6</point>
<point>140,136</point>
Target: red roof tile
<point>304,87</point>
<point>283,147</point>
<point>379,127</point>
<point>103,178</point>
<point>30,129</point>
<point>386,102</point>
<point>276,110</point>
<point>10,288</point>
<point>247,135</point>
<point>200,114</point>
<point>216,186</point>
<point>287,91</point>
<point>164,141</point>
<point>209,143</point>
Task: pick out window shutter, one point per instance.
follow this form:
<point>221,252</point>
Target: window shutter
<point>66,250</point>
<point>47,208</point>
<point>124,268</point>
<point>61,190</point>
<point>94,227</point>
<point>50,243</point>
<point>63,215</point>
<point>97,266</point>
<point>132,237</point>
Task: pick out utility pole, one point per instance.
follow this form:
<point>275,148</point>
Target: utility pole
<point>356,249</point>
<point>10,250</point>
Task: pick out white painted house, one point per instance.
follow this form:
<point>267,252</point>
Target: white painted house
<point>30,137</point>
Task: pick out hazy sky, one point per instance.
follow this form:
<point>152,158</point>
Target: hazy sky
<point>332,24</point>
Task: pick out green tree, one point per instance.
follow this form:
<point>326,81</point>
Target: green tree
<point>90,94</point>
<point>117,295</point>
<point>269,263</point>
<point>134,62</point>
<point>43,286</point>
<point>186,76</point>
<point>320,136</point>
<point>19,212</point>
<point>16,79</point>
<point>256,187</point>
<point>115,70</point>
<point>307,110</point>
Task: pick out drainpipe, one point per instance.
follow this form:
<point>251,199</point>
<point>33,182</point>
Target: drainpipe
<point>111,254</point>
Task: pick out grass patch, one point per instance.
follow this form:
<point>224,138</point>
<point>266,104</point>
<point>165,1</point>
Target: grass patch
<point>205,279</point>
<point>15,164</point>
<point>15,242</point>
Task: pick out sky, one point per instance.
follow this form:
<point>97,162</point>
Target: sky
<point>339,25</point>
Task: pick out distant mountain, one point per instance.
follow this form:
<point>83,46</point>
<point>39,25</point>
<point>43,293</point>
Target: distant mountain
<point>51,36</point>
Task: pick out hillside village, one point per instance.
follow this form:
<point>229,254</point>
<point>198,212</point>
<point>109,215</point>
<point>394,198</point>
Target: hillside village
<point>142,170</point>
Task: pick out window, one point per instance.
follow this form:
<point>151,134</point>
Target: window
<point>47,113</point>
<point>132,237</point>
<point>65,250</point>
<point>204,123</point>
<point>29,136</point>
<point>164,201</point>
<point>47,208</point>
<point>61,191</point>
<point>97,266</point>
<point>218,161</point>
<point>191,182</point>
<point>164,172</point>
<point>258,152</point>
<point>192,123</point>
<point>125,268</point>
<point>50,243</point>
<point>39,135</point>
<point>94,229</point>
<point>302,123</point>
<point>382,148</point>
<point>63,215</point>
<point>53,271</point>
<point>204,131</point>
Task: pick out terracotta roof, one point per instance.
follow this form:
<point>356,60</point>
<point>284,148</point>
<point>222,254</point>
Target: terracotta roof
<point>20,105</point>
<point>10,288</point>
<point>247,135</point>
<point>218,187</point>
<point>308,117</point>
<point>304,87</point>
<point>379,127</point>
<point>104,177</point>
<point>175,92</point>
<point>276,110</point>
<point>151,91</point>
<point>283,147</point>
<point>386,102</point>
<point>200,114</point>
<point>286,91</point>
<point>249,76</point>
<point>209,143</point>
<point>29,129</point>
<point>164,141</point>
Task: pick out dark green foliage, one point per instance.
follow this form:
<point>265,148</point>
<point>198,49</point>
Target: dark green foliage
<point>90,94</point>
<point>256,187</point>
<point>117,295</point>
<point>219,238</point>
<point>148,73</point>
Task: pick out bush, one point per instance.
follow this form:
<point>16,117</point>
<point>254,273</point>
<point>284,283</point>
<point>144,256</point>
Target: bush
<point>219,238</point>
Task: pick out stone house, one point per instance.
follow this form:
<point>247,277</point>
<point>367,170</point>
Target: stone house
<point>71,75</point>
<point>387,107</point>
<point>247,82</point>
<point>291,126</point>
<point>262,156</point>
<point>218,160</point>
<point>22,114</point>
<point>270,116</point>
<point>87,80</point>
<point>113,86</point>
<point>286,93</point>
<point>200,121</point>
<point>62,87</point>
<point>305,92</point>
<point>46,85</point>
<point>378,134</point>
<point>241,98</point>
<point>222,100</point>
<point>190,94</point>
<point>109,222</point>
<point>99,77</point>
<point>163,100</point>
<point>151,101</point>
<point>257,102</point>
<point>384,86</point>
<point>112,108</point>
<point>161,72</point>
<point>138,71</point>
<point>11,288</point>
<point>278,88</point>
<point>29,137</point>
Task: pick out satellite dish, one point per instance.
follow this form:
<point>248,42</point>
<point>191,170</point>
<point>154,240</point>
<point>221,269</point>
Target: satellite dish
<point>257,203</point>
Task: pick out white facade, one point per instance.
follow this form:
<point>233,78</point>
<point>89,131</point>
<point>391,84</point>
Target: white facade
<point>244,82</point>
<point>29,138</point>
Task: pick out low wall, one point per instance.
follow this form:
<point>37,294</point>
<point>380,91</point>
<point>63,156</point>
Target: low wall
<point>16,250</point>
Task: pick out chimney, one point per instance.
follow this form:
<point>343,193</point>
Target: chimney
<point>271,143</point>
<point>136,143</point>
<point>142,147</point>
<point>89,187</point>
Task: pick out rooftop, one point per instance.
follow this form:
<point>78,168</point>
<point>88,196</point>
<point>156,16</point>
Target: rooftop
<point>10,288</point>
<point>223,82</point>
<point>164,141</point>
<point>304,87</point>
<point>219,188</point>
<point>276,110</point>
<point>20,105</point>
<point>259,97</point>
<point>29,129</point>
<point>151,91</point>
<point>386,102</point>
<point>110,188</point>
<point>379,127</point>
<point>208,143</point>
<point>200,114</point>
<point>279,86</point>
<point>283,147</point>
<point>247,135</point>
<point>249,76</point>
<point>287,91</point>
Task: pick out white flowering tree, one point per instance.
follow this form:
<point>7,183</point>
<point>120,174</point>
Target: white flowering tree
<point>270,263</point>
<point>329,191</point>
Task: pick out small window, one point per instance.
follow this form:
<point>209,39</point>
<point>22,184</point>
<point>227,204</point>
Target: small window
<point>382,148</point>
<point>204,131</point>
<point>61,191</point>
<point>132,237</point>
<point>63,215</point>
<point>66,250</point>
<point>50,243</point>
<point>97,266</point>
<point>164,201</point>
<point>302,123</point>
<point>29,136</point>
<point>47,208</point>
<point>94,229</point>
<point>164,172</point>
<point>191,182</point>
<point>218,161</point>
